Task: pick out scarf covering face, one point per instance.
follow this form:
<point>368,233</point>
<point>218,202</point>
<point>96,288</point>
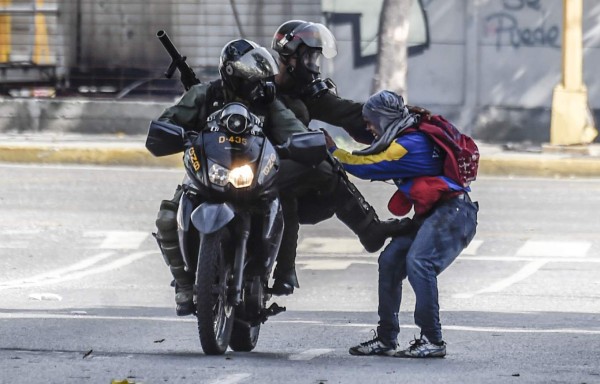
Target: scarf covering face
<point>386,110</point>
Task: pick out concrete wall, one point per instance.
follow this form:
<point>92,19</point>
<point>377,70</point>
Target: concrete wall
<point>491,65</point>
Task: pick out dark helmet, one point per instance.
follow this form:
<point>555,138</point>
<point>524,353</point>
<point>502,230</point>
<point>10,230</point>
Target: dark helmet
<point>307,42</point>
<point>247,71</point>
<point>291,34</point>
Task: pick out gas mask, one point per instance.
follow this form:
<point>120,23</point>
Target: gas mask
<point>307,73</point>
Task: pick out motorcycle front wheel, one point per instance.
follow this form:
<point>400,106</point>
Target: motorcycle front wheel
<point>215,314</point>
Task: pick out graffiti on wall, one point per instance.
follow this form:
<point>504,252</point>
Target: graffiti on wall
<point>511,26</point>
<point>363,18</point>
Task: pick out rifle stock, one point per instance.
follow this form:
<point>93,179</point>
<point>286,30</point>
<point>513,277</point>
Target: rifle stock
<point>187,76</point>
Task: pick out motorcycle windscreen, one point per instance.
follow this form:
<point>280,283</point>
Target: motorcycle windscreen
<point>229,150</point>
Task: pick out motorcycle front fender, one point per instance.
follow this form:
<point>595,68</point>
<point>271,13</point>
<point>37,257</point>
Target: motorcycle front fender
<point>183,226</point>
<point>210,217</point>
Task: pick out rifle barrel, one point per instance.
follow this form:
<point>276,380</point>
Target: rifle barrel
<point>168,44</point>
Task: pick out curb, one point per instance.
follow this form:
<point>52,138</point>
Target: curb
<point>539,167</point>
<point>135,154</point>
<point>93,155</point>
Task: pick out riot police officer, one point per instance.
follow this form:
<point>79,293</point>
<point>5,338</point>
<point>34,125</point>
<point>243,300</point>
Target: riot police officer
<point>300,46</point>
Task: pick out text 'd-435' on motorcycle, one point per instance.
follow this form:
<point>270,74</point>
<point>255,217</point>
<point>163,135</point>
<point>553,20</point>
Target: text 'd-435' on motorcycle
<point>230,219</point>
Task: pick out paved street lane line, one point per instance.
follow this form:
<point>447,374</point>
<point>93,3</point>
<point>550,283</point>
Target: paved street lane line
<point>13,238</point>
<point>344,245</point>
<point>119,239</point>
<point>123,261</point>
<point>471,250</point>
<point>325,265</point>
<point>522,274</point>
<point>554,248</point>
<point>231,379</point>
<point>57,273</point>
<point>310,354</point>
<point>313,323</point>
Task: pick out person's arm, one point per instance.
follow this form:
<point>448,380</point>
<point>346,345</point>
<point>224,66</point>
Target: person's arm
<point>343,113</point>
<point>410,155</point>
<point>190,112</point>
<point>281,123</point>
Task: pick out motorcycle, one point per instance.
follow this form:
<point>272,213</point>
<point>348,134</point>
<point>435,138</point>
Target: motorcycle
<point>230,219</point>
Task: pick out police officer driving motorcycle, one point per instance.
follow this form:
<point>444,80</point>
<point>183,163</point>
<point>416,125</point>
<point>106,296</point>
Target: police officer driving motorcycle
<point>247,74</point>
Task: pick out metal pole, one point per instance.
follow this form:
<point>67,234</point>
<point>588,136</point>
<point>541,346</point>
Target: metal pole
<point>572,122</point>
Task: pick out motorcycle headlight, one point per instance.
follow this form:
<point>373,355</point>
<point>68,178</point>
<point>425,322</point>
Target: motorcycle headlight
<point>239,177</point>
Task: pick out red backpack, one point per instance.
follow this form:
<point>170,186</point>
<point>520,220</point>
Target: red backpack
<point>462,155</point>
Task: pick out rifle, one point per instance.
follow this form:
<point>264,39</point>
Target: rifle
<point>187,75</point>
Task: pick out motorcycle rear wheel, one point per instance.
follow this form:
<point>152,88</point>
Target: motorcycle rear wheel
<point>215,315</point>
<point>244,337</point>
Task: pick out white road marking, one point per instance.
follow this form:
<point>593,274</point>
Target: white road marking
<point>310,354</point>
<point>522,274</point>
<point>472,248</point>
<point>14,244</point>
<point>529,258</point>
<point>45,297</point>
<point>231,379</point>
<point>46,316</point>
<point>53,279</point>
<point>54,274</point>
<point>351,245</point>
<point>345,245</point>
<point>119,239</point>
<point>84,167</point>
<point>15,239</point>
<point>554,248</point>
<point>18,232</point>
<point>326,264</point>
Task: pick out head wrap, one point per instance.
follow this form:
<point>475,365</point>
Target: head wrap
<point>387,111</point>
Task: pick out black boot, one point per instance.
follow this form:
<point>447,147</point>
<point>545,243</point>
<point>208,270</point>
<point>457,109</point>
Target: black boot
<point>184,299</point>
<point>285,271</point>
<point>184,280</point>
<point>374,235</point>
<point>354,211</point>
<point>285,281</point>
<point>168,242</point>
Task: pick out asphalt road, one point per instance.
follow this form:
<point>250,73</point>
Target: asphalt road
<point>85,296</point>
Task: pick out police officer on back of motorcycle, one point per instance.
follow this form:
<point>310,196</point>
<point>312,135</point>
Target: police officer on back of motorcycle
<point>300,45</point>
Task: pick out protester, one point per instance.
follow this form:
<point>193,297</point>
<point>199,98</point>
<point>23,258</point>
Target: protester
<point>444,222</point>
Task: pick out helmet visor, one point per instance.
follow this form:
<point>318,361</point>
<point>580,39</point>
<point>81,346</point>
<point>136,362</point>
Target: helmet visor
<point>316,35</point>
<point>257,64</point>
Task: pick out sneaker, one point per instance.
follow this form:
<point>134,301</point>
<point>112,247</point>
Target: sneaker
<point>374,346</point>
<point>423,348</point>
<point>184,298</point>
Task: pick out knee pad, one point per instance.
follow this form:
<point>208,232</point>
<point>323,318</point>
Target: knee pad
<point>166,221</point>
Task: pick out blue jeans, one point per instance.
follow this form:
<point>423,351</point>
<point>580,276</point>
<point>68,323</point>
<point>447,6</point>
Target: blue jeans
<point>441,237</point>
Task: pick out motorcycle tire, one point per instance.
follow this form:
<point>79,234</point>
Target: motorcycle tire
<point>244,337</point>
<point>215,314</point>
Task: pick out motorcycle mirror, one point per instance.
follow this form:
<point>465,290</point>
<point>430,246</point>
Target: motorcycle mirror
<point>307,148</point>
<point>165,138</point>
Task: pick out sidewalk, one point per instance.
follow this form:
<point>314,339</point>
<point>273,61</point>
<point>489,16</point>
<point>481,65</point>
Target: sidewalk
<point>128,150</point>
